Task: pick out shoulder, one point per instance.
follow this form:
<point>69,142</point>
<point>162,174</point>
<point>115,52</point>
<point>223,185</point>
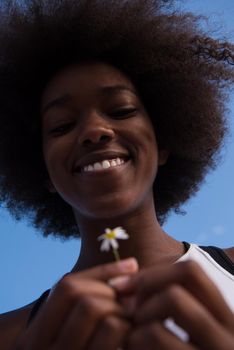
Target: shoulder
<point>230,253</point>
<point>12,324</point>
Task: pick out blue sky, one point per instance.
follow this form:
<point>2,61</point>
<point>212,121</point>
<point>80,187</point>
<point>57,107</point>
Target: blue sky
<point>30,264</point>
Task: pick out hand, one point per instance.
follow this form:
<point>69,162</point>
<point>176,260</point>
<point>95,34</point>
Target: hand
<point>185,293</point>
<point>80,312</point>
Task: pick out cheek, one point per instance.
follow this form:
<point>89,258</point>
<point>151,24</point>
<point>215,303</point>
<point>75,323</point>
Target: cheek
<point>48,154</point>
<point>54,156</point>
<point>148,148</point>
<point>57,167</point>
<point>146,156</point>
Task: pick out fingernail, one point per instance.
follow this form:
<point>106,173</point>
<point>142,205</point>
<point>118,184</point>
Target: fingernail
<point>128,265</point>
<point>119,282</point>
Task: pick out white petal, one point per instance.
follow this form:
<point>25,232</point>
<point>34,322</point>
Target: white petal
<point>101,237</point>
<point>121,233</point>
<point>105,246</point>
<point>114,243</point>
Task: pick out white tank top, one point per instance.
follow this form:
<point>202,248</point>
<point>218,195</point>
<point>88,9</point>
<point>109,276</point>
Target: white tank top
<point>223,279</point>
<point>221,274</point>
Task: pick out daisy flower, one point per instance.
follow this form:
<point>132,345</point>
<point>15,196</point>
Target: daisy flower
<point>109,240</point>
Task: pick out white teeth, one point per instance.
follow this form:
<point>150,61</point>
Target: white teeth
<point>105,164</point>
<point>97,166</point>
<point>88,168</point>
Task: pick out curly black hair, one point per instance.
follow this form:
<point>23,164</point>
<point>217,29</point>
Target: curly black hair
<point>182,75</point>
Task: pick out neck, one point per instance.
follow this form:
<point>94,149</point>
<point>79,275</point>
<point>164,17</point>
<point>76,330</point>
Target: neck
<point>147,242</point>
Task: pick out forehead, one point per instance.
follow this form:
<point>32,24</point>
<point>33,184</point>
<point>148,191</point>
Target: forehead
<point>86,77</point>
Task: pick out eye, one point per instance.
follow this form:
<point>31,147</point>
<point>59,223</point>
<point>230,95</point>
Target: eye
<point>123,113</point>
<point>62,129</point>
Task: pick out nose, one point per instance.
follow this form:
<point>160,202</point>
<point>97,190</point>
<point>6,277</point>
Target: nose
<point>95,130</point>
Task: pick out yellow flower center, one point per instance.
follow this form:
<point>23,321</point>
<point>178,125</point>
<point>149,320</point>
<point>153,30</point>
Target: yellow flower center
<point>110,235</point>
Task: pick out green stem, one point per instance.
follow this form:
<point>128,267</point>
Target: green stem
<point>116,254</point>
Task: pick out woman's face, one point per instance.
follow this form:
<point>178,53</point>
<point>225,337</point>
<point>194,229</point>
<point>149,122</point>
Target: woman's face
<point>98,141</point>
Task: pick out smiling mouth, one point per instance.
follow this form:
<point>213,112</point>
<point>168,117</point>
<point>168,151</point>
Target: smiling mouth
<point>103,165</point>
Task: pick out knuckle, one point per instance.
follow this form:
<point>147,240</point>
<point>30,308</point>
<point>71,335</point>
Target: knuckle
<point>175,296</point>
<point>87,304</point>
<point>65,283</point>
<point>114,323</point>
<point>154,332</point>
<point>145,337</point>
<point>192,269</point>
<point>110,322</point>
<point>65,286</point>
<point>107,270</point>
<point>174,292</point>
<point>68,288</point>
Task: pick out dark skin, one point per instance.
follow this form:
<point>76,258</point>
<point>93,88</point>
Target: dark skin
<point>120,195</point>
<point>101,302</point>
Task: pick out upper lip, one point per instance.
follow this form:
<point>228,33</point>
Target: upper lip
<point>98,157</point>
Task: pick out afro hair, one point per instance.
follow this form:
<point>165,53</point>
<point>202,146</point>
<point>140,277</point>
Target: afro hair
<point>182,75</point>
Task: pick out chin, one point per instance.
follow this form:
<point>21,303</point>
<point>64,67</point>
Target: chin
<point>114,209</point>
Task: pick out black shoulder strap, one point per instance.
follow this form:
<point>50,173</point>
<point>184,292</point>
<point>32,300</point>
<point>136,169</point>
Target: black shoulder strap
<point>220,257</point>
<point>186,246</point>
<point>37,305</point>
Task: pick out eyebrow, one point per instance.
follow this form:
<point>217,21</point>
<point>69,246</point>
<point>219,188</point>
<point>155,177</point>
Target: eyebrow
<point>105,90</point>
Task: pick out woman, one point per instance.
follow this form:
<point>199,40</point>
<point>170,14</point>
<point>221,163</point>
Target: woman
<point>118,115</point>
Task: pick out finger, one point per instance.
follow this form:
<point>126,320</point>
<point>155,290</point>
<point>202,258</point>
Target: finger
<point>155,336</point>
<point>188,274</point>
<point>82,322</point>
<point>106,271</point>
<point>112,332</point>
<point>61,301</point>
<point>176,302</point>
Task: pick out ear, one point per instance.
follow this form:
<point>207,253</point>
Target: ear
<point>163,155</point>
<point>49,186</point>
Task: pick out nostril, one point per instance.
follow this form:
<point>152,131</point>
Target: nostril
<point>96,139</point>
<point>104,138</point>
<point>87,142</point>
<point>94,134</point>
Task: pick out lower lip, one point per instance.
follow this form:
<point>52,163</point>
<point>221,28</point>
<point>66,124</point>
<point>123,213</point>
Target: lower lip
<point>110,170</point>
